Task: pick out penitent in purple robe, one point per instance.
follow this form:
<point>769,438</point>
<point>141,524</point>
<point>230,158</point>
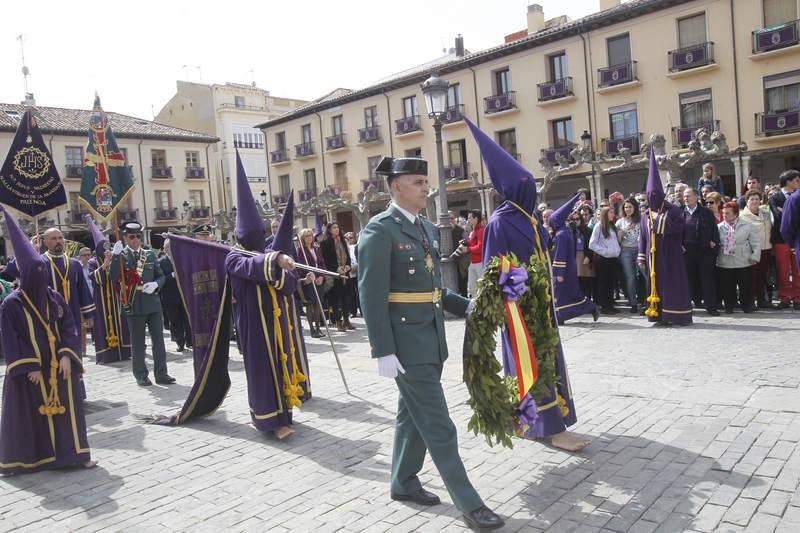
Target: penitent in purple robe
<point>31,441</point>
<point>107,319</point>
<point>672,282</point>
<point>510,230</point>
<point>251,280</point>
<point>570,299</point>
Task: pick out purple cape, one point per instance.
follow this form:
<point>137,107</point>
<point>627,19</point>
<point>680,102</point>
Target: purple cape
<point>251,279</point>
<point>570,300</point>
<point>510,230</point>
<point>31,441</point>
<point>672,282</point>
<point>108,320</point>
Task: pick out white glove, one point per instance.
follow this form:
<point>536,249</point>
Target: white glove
<point>149,287</point>
<point>117,249</point>
<point>389,366</point>
<point>172,274</point>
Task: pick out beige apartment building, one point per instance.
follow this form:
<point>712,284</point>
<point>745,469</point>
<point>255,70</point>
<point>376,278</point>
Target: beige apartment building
<point>626,72</point>
<point>229,112</point>
<point>175,171</point>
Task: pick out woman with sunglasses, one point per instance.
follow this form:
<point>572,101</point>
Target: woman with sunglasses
<point>714,202</point>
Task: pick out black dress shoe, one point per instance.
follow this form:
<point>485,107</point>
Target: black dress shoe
<point>595,314</point>
<point>484,519</point>
<point>165,380</point>
<point>421,497</point>
<point>144,382</point>
<point>713,312</point>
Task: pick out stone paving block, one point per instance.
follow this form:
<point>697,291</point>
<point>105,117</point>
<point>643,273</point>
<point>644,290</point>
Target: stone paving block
<point>709,517</point>
<point>762,523</point>
<point>775,503</point>
<point>770,468</point>
<point>740,512</point>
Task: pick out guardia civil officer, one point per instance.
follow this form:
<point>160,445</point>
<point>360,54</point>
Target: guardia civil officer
<point>399,277</point>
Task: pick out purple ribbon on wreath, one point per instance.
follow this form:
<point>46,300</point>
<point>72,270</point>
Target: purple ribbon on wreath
<point>513,283</point>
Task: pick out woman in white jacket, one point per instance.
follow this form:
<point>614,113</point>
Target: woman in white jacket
<point>740,249</point>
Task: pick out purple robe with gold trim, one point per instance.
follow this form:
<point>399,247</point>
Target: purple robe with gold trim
<point>252,279</point>
<point>31,441</point>
<point>672,282</point>
<point>108,319</point>
<point>570,299</point>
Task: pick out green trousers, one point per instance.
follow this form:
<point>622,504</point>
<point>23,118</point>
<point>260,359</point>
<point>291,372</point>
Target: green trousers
<point>423,424</point>
<point>136,325</point>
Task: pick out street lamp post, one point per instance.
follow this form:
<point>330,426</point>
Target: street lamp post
<point>588,156</point>
<point>435,91</point>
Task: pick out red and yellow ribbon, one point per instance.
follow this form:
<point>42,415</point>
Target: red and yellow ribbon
<point>521,345</point>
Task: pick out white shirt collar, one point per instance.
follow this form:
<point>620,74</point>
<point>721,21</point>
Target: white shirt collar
<point>691,210</point>
<point>411,217</point>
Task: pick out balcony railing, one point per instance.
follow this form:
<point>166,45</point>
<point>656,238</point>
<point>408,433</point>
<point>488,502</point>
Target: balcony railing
<point>74,171</point>
<point>682,136</point>
<point>407,125</point>
<point>279,156</point>
<point>379,184</point>
<point>228,105</point>
<point>615,146</point>
<point>248,144</point>
<point>280,199</point>
<point>371,134</point>
<point>77,217</point>
<point>304,149</point>
<point>306,195</point>
<point>128,215</point>
<point>499,102</point>
<point>162,173</point>
<point>768,124</point>
<point>617,74</point>
<point>454,113</point>
<point>776,37</point>
<point>553,90</point>
<point>200,212</point>
<point>168,213</point>
<point>457,172</point>
<point>335,142</point>
<point>334,191</point>
<point>552,154</point>
<point>195,173</point>
<point>691,57</point>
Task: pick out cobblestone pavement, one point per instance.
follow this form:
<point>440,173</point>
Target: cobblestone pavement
<point>693,429</point>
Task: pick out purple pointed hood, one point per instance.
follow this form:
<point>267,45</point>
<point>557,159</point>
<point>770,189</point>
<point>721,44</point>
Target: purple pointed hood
<point>101,242</point>
<point>33,268</point>
<point>655,189</point>
<point>284,236</point>
<point>249,226</point>
<point>559,216</point>
<point>511,180</point>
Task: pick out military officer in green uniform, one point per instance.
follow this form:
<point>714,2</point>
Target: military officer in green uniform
<point>137,270</point>
<point>399,278</point>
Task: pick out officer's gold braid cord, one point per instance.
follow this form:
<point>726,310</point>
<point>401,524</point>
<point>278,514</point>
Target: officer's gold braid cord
<point>289,388</point>
<point>52,405</point>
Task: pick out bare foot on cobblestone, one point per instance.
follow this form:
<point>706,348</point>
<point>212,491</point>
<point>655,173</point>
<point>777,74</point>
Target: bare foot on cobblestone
<point>283,432</point>
<point>89,464</point>
<point>568,441</point>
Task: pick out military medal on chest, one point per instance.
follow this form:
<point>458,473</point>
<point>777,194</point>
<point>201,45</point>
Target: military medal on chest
<point>428,262</point>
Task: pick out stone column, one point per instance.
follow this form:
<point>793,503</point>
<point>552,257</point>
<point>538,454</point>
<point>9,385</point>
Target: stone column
<point>742,172</point>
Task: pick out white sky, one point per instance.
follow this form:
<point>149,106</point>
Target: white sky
<point>132,52</point>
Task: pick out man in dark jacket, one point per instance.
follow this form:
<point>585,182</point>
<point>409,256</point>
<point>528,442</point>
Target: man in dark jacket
<point>786,266</point>
<point>700,244</point>
<point>173,304</point>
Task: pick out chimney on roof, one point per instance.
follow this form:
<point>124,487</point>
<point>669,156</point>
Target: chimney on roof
<point>608,4</point>
<point>29,101</point>
<point>535,18</point>
<point>459,46</point>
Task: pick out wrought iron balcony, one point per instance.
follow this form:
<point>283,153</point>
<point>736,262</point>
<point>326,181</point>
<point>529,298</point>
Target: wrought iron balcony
<point>161,173</point>
<point>552,154</point>
<point>407,125</point>
<point>304,149</point>
<point>77,217</point>
<point>335,142</point>
<point>499,102</point>
<point>457,172</point>
<point>691,57</point>
<point>74,171</point>
<point>333,191</point>
<point>128,215</point>
<point>454,113</point>
<point>279,156</point>
<point>199,212</point>
<point>168,213</point>
<point>306,195</point>
<point>614,146</point>
<point>280,199</point>
<point>195,173</point>
<point>768,124</point>
<point>369,135</point>
<point>767,39</point>
<point>617,74</point>
<point>682,136</point>
<point>243,107</point>
<point>553,90</point>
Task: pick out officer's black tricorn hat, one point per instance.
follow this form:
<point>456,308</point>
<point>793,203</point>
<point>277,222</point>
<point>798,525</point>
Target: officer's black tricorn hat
<point>391,167</point>
<point>131,228</point>
<point>203,229</point>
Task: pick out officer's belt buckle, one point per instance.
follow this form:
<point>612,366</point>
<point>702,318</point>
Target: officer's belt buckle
<point>432,297</point>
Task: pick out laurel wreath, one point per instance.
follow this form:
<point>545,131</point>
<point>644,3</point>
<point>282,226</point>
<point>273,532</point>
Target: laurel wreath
<point>494,398</point>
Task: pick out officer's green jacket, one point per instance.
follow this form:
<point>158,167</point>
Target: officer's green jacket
<point>391,259</point>
<point>143,303</point>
